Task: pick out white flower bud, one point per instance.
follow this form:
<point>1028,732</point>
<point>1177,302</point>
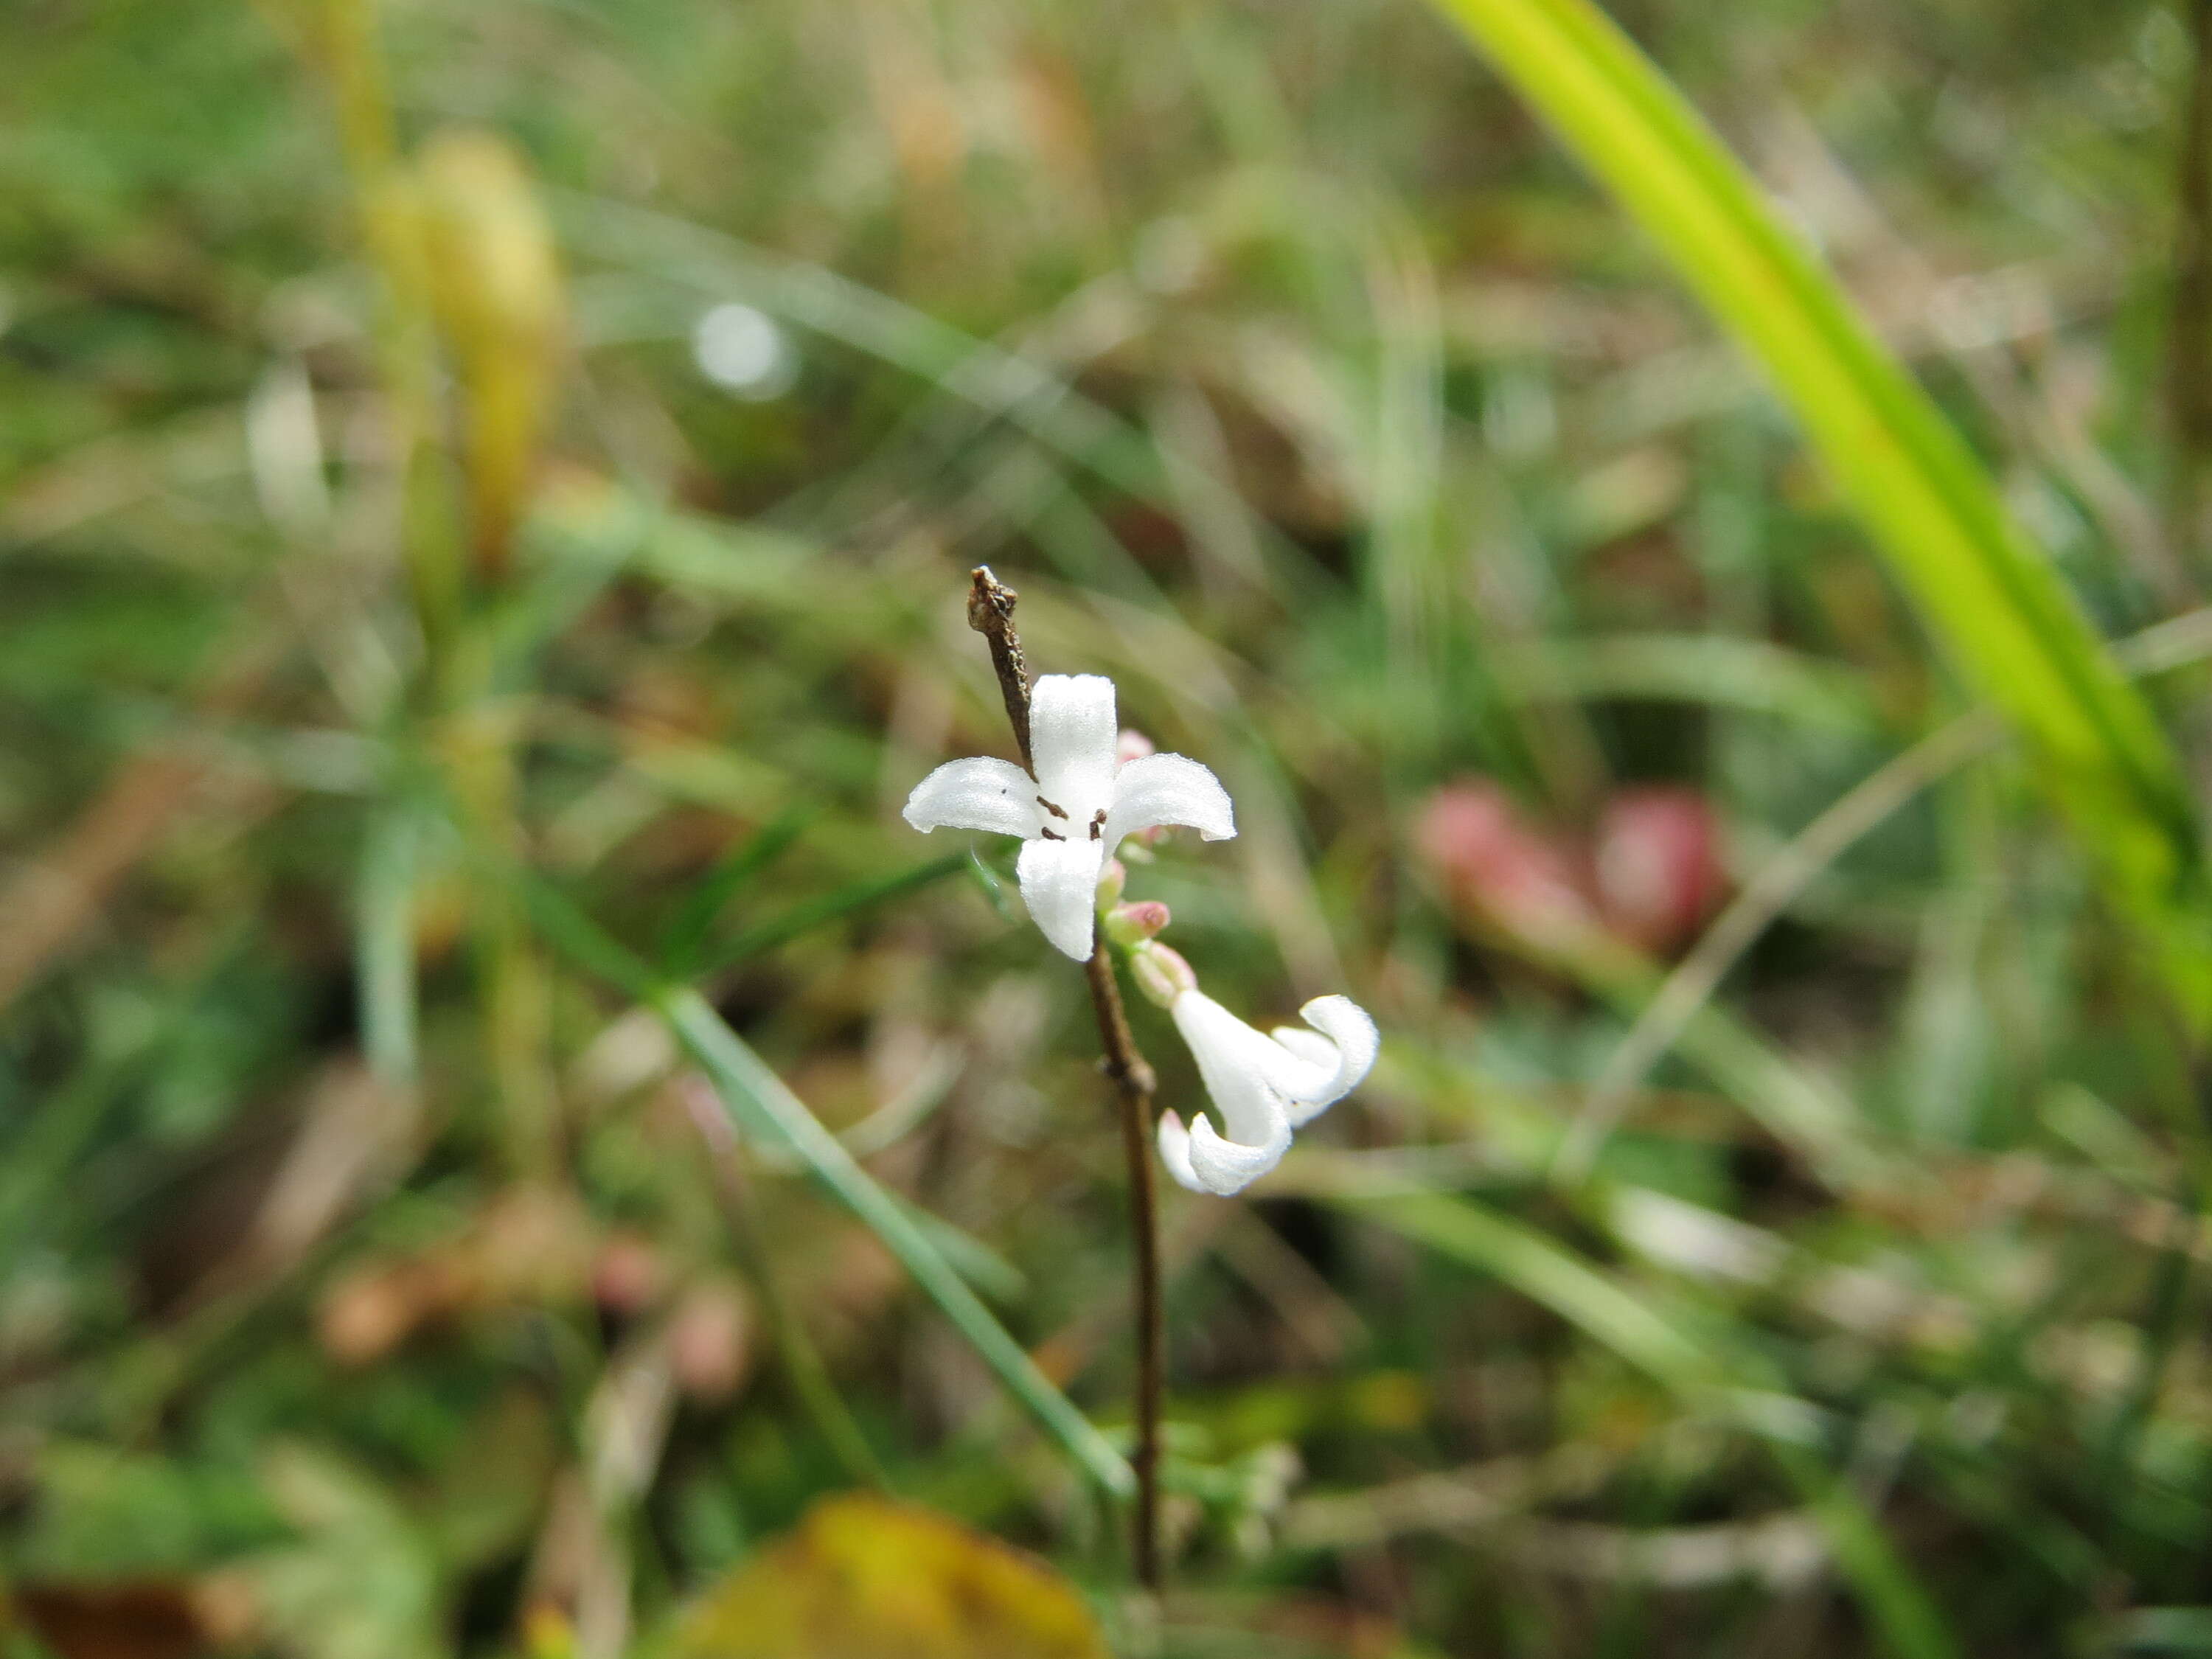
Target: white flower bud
<point>1161,973</point>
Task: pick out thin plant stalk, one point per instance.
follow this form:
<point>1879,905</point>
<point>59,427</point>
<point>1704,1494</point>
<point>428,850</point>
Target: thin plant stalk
<point>1133,1086</point>
<point>991,613</point>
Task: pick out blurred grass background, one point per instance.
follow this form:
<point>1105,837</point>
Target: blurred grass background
<point>470,469</point>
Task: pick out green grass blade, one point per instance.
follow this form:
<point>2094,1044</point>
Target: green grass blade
<point>39,1161</point>
<point>1997,609</point>
<point>1549,1274</point>
<point>2162,1629</point>
<point>384,942</point>
<point>1714,669</point>
<point>846,901</point>
<point>685,940</point>
<point>758,1099</point>
<point>762,1104</point>
<point>1896,1604</point>
<point>1001,384</point>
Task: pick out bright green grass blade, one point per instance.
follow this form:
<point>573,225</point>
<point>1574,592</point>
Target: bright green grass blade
<point>762,1104</point>
<point>2001,612</point>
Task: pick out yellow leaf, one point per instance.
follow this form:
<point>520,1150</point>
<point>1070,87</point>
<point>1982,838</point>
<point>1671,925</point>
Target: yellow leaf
<point>863,1578</point>
<point>496,286</point>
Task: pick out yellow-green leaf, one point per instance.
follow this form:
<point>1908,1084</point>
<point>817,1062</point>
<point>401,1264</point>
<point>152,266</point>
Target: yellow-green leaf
<point>863,1578</point>
<point>496,286</point>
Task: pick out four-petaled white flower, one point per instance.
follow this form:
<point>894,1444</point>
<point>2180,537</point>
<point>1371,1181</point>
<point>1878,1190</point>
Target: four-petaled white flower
<point>1075,811</point>
<point>1264,1086</point>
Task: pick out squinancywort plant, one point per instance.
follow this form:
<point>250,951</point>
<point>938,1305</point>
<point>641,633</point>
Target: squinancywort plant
<point>1085,788</point>
<point>1264,1086</point>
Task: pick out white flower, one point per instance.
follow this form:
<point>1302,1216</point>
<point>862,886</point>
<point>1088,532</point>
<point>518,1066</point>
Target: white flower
<point>1263,1086</point>
<point>1074,813</point>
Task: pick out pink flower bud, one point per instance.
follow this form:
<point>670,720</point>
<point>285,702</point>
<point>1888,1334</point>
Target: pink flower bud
<point>1131,745</point>
<point>1127,924</point>
<point>1161,973</point>
<point>1658,865</point>
<point>1491,861</point>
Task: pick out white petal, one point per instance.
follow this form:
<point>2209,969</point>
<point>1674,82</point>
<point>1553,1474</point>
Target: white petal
<point>1263,1086</point>
<point>975,794</point>
<point>1229,1166</point>
<point>1200,1160</point>
<point>1059,883</point>
<point>1234,1061</point>
<point>1175,1152</point>
<point>1332,1059</point>
<point>1072,739</point>
<point>1168,789</point>
<point>1307,1047</point>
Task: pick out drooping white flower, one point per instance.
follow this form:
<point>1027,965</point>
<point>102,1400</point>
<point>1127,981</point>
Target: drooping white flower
<point>1264,1086</point>
<point>1074,813</point>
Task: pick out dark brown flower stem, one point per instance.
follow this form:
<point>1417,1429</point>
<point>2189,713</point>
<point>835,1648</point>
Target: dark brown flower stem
<point>1133,1085</point>
<point>991,613</point>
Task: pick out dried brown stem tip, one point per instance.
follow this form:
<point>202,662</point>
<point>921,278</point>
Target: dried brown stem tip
<point>991,613</point>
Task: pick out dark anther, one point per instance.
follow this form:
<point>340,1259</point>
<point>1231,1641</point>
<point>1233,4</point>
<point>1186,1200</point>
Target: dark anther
<point>1050,808</point>
<point>1048,836</point>
<point>1097,824</point>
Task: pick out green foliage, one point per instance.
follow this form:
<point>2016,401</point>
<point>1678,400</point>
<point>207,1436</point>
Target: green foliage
<point>1988,597</point>
<point>451,743</point>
